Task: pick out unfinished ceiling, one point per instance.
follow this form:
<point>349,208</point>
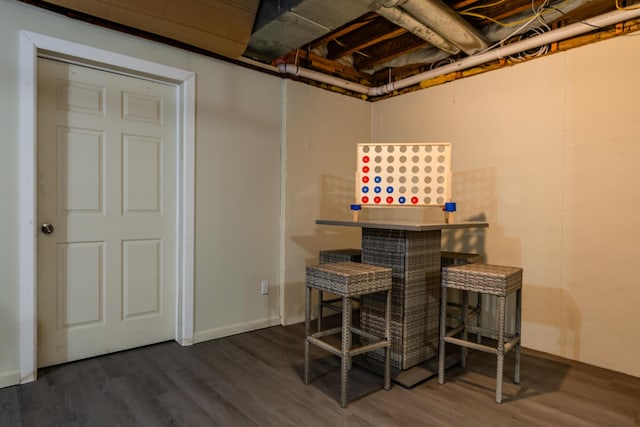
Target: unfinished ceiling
<point>384,47</point>
<point>367,48</point>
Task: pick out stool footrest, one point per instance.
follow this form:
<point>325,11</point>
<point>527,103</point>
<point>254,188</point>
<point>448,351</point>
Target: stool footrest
<point>337,330</point>
<point>471,344</point>
<point>512,343</point>
<point>325,346</point>
<point>355,351</point>
<point>493,334</point>
<point>369,347</point>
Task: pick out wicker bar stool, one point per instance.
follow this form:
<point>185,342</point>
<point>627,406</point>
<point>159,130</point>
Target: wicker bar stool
<point>483,279</point>
<point>347,279</point>
<point>448,259</point>
<point>335,255</point>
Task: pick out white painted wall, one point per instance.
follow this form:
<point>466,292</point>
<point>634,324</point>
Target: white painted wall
<point>238,139</point>
<point>546,151</point>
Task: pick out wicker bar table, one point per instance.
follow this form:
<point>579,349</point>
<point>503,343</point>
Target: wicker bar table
<point>412,250</point>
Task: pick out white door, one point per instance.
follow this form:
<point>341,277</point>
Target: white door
<point>107,185</point>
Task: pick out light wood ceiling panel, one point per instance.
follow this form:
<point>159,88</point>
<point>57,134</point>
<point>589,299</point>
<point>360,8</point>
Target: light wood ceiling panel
<point>219,26</point>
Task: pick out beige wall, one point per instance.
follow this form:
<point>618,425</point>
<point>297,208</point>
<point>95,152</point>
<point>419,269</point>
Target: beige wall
<point>238,139</point>
<point>546,151</point>
<point>322,129</point>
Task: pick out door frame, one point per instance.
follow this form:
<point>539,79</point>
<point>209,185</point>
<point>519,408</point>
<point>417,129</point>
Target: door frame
<point>30,46</point>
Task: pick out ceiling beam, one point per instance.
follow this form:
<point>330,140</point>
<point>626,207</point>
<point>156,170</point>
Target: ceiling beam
<point>345,29</point>
<point>374,32</point>
<point>388,50</point>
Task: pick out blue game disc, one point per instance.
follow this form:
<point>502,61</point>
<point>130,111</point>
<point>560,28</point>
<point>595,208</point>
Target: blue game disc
<point>377,179</point>
<point>402,199</point>
<point>389,189</point>
<point>365,189</point>
<point>377,189</point>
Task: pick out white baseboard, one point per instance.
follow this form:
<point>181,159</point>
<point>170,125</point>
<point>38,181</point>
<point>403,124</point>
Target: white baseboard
<point>225,331</point>
<point>9,378</point>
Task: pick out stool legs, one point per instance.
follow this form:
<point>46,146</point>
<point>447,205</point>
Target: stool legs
<point>346,341</point>
<point>478,310</point>
<point>307,332</point>
<point>465,315</point>
<point>462,342</point>
<point>387,336</point>
<point>345,362</point>
<point>319,311</point>
<point>500,350</point>
<point>443,331</point>
<point>516,376</point>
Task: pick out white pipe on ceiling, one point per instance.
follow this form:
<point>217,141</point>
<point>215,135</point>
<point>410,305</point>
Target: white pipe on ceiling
<point>561,33</point>
<point>323,78</point>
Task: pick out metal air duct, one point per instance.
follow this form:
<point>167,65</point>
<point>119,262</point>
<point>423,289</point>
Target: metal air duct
<point>411,24</point>
<point>443,20</point>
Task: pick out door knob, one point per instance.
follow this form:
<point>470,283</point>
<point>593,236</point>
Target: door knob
<point>46,228</point>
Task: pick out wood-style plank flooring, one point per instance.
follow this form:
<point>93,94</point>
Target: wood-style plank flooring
<point>254,379</point>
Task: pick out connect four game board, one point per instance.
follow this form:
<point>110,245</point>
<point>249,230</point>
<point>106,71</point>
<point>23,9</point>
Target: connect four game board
<point>394,174</point>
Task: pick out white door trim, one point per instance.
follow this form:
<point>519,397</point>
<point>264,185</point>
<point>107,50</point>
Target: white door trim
<point>30,45</point>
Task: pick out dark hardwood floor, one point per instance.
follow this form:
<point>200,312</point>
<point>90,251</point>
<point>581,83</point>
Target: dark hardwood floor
<point>254,379</point>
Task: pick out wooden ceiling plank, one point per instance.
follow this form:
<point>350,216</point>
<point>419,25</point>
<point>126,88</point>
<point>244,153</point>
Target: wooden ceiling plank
<point>362,63</point>
<point>374,30</point>
<point>336,51</point>
<point>346,29</point>
<point>218,26</point>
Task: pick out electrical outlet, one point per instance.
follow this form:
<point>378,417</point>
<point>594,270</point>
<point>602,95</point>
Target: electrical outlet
<point>264,287</point>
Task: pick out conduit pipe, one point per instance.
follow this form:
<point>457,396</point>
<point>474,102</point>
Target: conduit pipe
<point>562,33</point>
<point>323,78</point>
<point>411,24</point>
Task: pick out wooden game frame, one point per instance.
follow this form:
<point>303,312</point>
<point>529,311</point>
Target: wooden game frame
<point>403,174</point>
